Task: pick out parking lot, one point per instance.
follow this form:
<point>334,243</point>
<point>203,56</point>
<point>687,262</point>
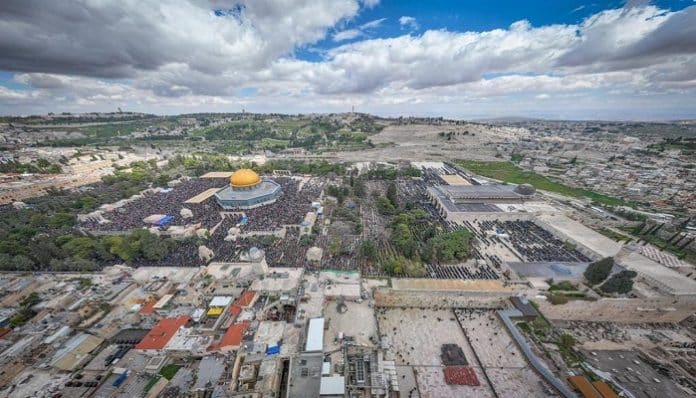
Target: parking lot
<point>632,373</point>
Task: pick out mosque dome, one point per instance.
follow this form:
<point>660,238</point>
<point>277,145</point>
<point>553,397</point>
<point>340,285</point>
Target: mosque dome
<point>243,178</point>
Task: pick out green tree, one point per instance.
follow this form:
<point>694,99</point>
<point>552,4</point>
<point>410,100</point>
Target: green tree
<point>88,202</point>
<point>152,247</point>
<point>359,188</point>
<point>121,248</point>
<point>5,262</point>
<point>557,298</point>
<point>621,282</point>
<point>12,247</point>
<point>367,250</point>
<point>42,249</point>
<point>384,206</point>
<point>22,263</point>
<point>566,341</point>
<point>598,271</point>
<point>80,247</point>
<point>38,219</point>
<point>62,220</point>
<point>391,194</point>
<point>449,247</point>
<point>404,241</point>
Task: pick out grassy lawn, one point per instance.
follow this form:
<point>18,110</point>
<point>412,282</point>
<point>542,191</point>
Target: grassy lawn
<point>151,383</point>
<point>614,235</point>
<point>168,371</point>
<point>509,172</point>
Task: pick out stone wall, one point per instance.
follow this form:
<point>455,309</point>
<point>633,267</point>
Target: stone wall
<point>385,297</point>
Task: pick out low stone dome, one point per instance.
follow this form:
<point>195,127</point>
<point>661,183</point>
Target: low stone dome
<point>525,189</point>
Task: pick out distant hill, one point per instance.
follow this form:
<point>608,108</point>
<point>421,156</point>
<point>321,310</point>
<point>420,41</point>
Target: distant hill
<point>508,119</point>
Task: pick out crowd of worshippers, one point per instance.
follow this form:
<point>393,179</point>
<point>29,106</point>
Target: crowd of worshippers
<point>478,271</point>
<point>493,259</point>
<point>226,250</point>
<point>289,209</point>
<point>530,241</point>
<point>166,202</point>
<point>287,252</point>
<point>344,258</point>
<point>415,193</point>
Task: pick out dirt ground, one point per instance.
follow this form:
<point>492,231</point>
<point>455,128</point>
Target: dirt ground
<point>422,142</point>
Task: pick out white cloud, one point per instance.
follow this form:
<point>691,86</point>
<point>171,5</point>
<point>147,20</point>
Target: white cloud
<point>122,38</point>
<point>372,24</point>
<point>369,3</point>
<point>205,60</point>
<point>346,35</point>
<point>408,22</point>
<point>361,30</point>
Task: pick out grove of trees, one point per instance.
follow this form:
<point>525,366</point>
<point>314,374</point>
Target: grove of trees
<point>621,282</point>
<point>599,270</point>
<point>42,235</point>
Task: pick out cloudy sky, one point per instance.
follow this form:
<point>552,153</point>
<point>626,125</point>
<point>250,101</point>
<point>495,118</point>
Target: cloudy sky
<point>461,59</point>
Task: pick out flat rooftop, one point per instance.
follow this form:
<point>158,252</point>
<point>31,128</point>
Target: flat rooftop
<point>454,179</point>
<point>201,197</point>
<point>570,229</point>
<point>490,191</point>
<point>160,335</point>
<point>305,375</point>
<point>217,174</point>
<point>315,335</point>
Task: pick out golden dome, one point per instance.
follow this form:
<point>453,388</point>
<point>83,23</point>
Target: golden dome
<point>243,178</point>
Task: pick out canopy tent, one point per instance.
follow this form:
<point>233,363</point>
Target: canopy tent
<point>164,220</point>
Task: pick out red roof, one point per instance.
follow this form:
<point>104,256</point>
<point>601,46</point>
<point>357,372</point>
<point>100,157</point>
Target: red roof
<point>149,306</point>
<point>460,375</point>
<point>245,299</point>
<point>234,334</point>
<point>4,331</point>
<point>604,389</point>
<point>234,311</point>
<point>160,335</point>
<point>582,384</point>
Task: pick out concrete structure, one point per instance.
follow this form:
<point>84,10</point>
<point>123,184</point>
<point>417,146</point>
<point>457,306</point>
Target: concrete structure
<point>247,190</point>
<point>220,301</point>
<point>315,335</point>
<point>458,198</point>
<point>75,352</point>
<point>589,242</point>
<point>332,386</point>
<point>507,316</point>
<point>161,303</point>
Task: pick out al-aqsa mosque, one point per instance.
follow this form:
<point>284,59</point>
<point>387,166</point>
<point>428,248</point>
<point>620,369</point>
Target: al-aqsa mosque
<point>247,190</point>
